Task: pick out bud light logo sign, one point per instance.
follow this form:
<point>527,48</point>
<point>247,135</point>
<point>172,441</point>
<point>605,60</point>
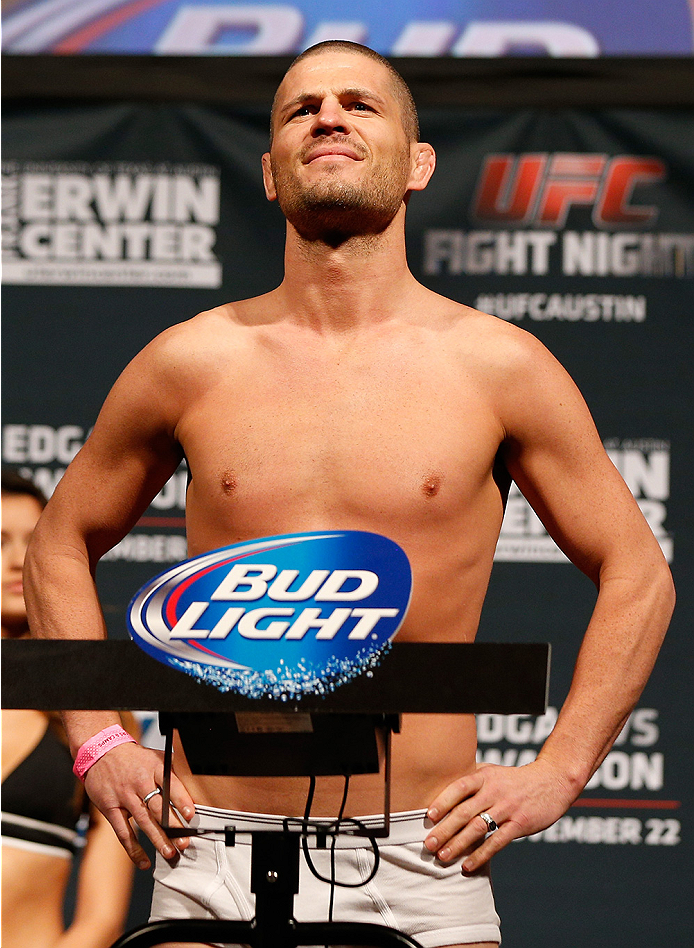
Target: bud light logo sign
<point>281,616</point>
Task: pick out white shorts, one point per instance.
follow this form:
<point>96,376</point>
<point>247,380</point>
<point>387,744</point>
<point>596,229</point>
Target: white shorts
<point>412,891</point>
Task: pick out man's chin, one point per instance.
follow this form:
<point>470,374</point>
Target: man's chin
<point>337,206</point>
<point>336,225</point>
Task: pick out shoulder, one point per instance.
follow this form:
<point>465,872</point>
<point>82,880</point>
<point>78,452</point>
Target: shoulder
<point>491,343</point>
<point>522,381</point>
<point>192,337</point>
<point>180,362</point>
<point>187,348</point>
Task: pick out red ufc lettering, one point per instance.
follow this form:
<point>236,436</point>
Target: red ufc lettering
<point>623,174</point>
<point>571,179</point>
<point>506,193</point>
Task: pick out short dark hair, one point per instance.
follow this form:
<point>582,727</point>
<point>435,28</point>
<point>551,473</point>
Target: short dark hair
<point>14,483</point>
<point>410,119</point>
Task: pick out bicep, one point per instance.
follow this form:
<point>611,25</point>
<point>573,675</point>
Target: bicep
<point>555,455</point>
<point>127,459</point>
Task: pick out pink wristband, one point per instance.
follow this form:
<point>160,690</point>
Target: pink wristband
<point>95,748</point>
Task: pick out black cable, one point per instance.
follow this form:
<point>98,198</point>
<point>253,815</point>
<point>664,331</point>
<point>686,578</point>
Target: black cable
<point>332,849</point>
<point>309,798</point>
<point>323,829</point>
<point>329,829</point>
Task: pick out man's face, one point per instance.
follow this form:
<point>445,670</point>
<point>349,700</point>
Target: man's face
<point>340,161</point>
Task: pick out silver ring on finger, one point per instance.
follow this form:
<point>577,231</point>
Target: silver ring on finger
<point>152,793</point>
<point>492,825</point>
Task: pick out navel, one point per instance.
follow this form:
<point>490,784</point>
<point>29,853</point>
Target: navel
<point>228,482</point>
<point>431,485</point>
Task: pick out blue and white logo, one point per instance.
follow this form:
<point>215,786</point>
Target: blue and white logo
<point>280,616</point>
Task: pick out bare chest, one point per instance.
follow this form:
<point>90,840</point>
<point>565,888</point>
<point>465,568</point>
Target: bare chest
<point>376,436</point>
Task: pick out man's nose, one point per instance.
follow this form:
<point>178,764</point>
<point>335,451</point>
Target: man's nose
<point>331,117</point>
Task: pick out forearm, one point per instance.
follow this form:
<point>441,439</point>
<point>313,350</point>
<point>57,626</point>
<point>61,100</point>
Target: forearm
<point>618,652</point>
<point>103,890</point>
<point>617,655</point>
<point>62,603</point>
<point>59,587</point>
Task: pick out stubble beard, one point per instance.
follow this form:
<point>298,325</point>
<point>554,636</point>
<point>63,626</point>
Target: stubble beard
<point>333,210</point>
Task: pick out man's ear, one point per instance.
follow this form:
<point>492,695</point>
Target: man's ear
<point>423,164</point>
<point>268,179</point>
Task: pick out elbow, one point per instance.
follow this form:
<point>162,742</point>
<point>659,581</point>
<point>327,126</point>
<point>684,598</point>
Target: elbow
<point>658,590</point>
<point>643,589</point>
<point>40,547</point>
<point>50,558</point>
<point>32,570</point>
<point>661,577</point>
<point>667,590</point>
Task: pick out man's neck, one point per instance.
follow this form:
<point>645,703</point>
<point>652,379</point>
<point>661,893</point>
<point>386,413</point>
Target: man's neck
<point>359,281</point>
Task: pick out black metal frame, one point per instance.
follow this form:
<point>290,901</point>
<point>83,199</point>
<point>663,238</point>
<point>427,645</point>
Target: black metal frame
<point>275,858</point>
<point>361,757</point>
<point>275,882</point>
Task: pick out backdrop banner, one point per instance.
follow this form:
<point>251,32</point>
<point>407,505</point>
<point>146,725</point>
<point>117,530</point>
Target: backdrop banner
<point>120,220</point>
<point>400,28</point>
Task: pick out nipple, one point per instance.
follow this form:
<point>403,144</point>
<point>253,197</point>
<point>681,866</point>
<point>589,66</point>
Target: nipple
<point>431,485</point>
<point>228,482</point>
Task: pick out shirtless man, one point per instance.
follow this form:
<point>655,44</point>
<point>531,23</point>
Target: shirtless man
<point>352,397</point>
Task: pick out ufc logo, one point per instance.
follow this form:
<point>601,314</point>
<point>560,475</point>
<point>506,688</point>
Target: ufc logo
<point>541,189</point>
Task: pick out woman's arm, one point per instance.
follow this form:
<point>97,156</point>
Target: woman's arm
<point>103,889</point>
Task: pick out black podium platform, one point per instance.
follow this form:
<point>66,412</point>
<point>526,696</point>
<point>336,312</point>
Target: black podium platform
<point>412,678</point>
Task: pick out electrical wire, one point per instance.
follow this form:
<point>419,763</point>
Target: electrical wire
<point>350,826</point>
<point>340,814</point>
